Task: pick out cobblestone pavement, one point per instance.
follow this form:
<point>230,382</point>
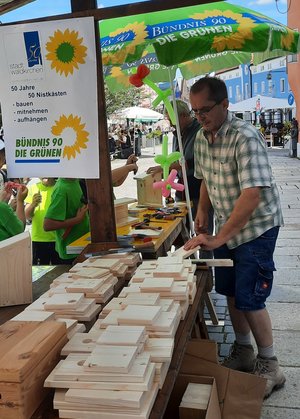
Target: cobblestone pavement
<point>283,304</point>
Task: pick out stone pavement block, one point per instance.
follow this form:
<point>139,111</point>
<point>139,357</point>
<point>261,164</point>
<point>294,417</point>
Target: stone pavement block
<point>228,329</point>
<point>288,396</point>
<point>279,413</point>
<point>287,276</point>
<point>287,243</point>
<point>288,233</point>
<point>224,349</point>
<point>215,329</point>
<point>287,344</point>
<point>230,338</point>
<point>284,316</point>
<point>285,293</point>
<point>287,250</point>
<point>217,337</point>
<point>287,261</point>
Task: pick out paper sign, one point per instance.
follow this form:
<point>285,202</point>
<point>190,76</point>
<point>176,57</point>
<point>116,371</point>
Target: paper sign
<point>48,98</point>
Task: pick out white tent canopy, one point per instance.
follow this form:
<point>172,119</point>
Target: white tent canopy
<point>138,113</point>
<point>266,103</point>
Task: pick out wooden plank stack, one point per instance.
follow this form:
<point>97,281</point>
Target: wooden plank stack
<point>115,370</point>
<point>28,352</point>
<point>121,212</point>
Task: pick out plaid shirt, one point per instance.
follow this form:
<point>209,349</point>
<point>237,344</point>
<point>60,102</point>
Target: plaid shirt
<point>236,160</point>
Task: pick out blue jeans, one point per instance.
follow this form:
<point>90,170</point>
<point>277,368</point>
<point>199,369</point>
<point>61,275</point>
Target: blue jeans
<point>250,279</point>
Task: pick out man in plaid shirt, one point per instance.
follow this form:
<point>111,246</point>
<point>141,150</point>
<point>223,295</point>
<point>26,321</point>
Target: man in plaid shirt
<point>232,160</point>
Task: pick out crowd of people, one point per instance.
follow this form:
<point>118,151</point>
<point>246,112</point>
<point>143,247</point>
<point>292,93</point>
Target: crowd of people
<point>230,181</point>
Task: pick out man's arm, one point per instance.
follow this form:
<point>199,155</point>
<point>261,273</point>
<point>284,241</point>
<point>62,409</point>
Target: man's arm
<point>204,206</point>
<point>242,211</point>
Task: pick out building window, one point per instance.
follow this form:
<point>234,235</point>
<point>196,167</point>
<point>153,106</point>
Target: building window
<point>247,90</point>
<point>282,85</point>
<point>263,87</point>
<point>292,58</point>
<point>270,85</point>
<point>255,87</point>
<point>238,92</point>
<point>230,92</point>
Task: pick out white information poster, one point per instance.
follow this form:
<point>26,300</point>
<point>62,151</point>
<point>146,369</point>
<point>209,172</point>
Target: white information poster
<point>48,94</point>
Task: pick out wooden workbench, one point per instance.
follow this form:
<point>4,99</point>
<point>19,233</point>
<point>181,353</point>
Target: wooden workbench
<point>171,230</point>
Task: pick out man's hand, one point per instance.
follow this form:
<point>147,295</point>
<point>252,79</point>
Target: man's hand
<point>205,241</point>
<point>132,159</point>
<point>153,170</point>
<point>201,222</point>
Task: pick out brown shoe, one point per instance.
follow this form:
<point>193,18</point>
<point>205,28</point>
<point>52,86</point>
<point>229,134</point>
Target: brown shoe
<point>269,368</point>
<point>241,358</point>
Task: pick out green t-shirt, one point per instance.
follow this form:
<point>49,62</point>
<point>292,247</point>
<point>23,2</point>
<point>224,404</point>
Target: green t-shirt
<point>38,234</point>
<point>10,224</point>
<point>65,201</point>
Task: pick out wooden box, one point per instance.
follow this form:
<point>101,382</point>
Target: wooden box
<point>146,194</point>
<point>121,212</point>
<point>16,270</point>
<point>28,353</point>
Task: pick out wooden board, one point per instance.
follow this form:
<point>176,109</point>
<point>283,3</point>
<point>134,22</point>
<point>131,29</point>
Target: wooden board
<point>64,301</point>
<point>138,315</point>
<point>169,271</point>
<point>90,273</point>
<point>102,385</point>
<point>182,253</point>
<point>24,344</point>
<point>122,335</point>
<point>109,358</point>
<point>72,369</point>
<point>34,316</point>
<point>79,414</point>
<point>16,270</point>
<point>85,285</point>
<point>123,398</point>
<point>157,284</point>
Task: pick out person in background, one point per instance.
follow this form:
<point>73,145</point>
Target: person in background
<point>12,222</point>
<point>232,160</point>
<point>3,174</point>
<point>189,127</point>
<point>43,242</point>
<point>294,136</point>
<point>67,216</point>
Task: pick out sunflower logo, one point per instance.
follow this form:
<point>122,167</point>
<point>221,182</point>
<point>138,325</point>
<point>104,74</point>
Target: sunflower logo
<point>74,134</point>
<point>65,51</point>
<point>140,33</point>
<point>233,41</point>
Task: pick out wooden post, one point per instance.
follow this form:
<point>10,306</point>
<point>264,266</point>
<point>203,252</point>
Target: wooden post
<point>100,192</point>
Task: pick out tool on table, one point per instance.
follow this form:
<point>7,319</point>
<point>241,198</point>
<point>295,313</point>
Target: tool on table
<point>147,227</point>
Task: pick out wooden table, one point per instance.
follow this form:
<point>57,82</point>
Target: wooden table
<point>171,230</point>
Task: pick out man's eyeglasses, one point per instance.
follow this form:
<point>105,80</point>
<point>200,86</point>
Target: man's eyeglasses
<point>204,111</point>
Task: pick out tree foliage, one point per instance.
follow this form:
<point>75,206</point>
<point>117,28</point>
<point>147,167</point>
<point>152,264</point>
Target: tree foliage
<point>122,99</point>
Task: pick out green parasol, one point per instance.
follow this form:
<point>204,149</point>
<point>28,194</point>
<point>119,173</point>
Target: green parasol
<point>183,34</point>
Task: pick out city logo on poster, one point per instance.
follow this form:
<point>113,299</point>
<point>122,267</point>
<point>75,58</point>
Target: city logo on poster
<point>24,56</point>
<point>33,48</point>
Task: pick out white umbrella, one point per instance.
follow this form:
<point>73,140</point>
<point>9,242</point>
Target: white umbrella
<point>138,113</point>
<point>266,103</point>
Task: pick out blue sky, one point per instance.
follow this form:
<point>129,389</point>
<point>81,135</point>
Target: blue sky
<point>41,8</point>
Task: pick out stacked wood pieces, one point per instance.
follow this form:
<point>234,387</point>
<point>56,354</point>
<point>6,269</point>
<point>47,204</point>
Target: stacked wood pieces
<point>107,373</point>
<point>121,212</point>
<point>28,352</point>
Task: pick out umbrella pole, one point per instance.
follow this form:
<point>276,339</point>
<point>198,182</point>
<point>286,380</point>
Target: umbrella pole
<point>182,160</point>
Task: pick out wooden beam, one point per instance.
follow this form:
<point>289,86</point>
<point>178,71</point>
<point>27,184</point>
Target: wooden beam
<point>100,191</point>
<point>8,6</point>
